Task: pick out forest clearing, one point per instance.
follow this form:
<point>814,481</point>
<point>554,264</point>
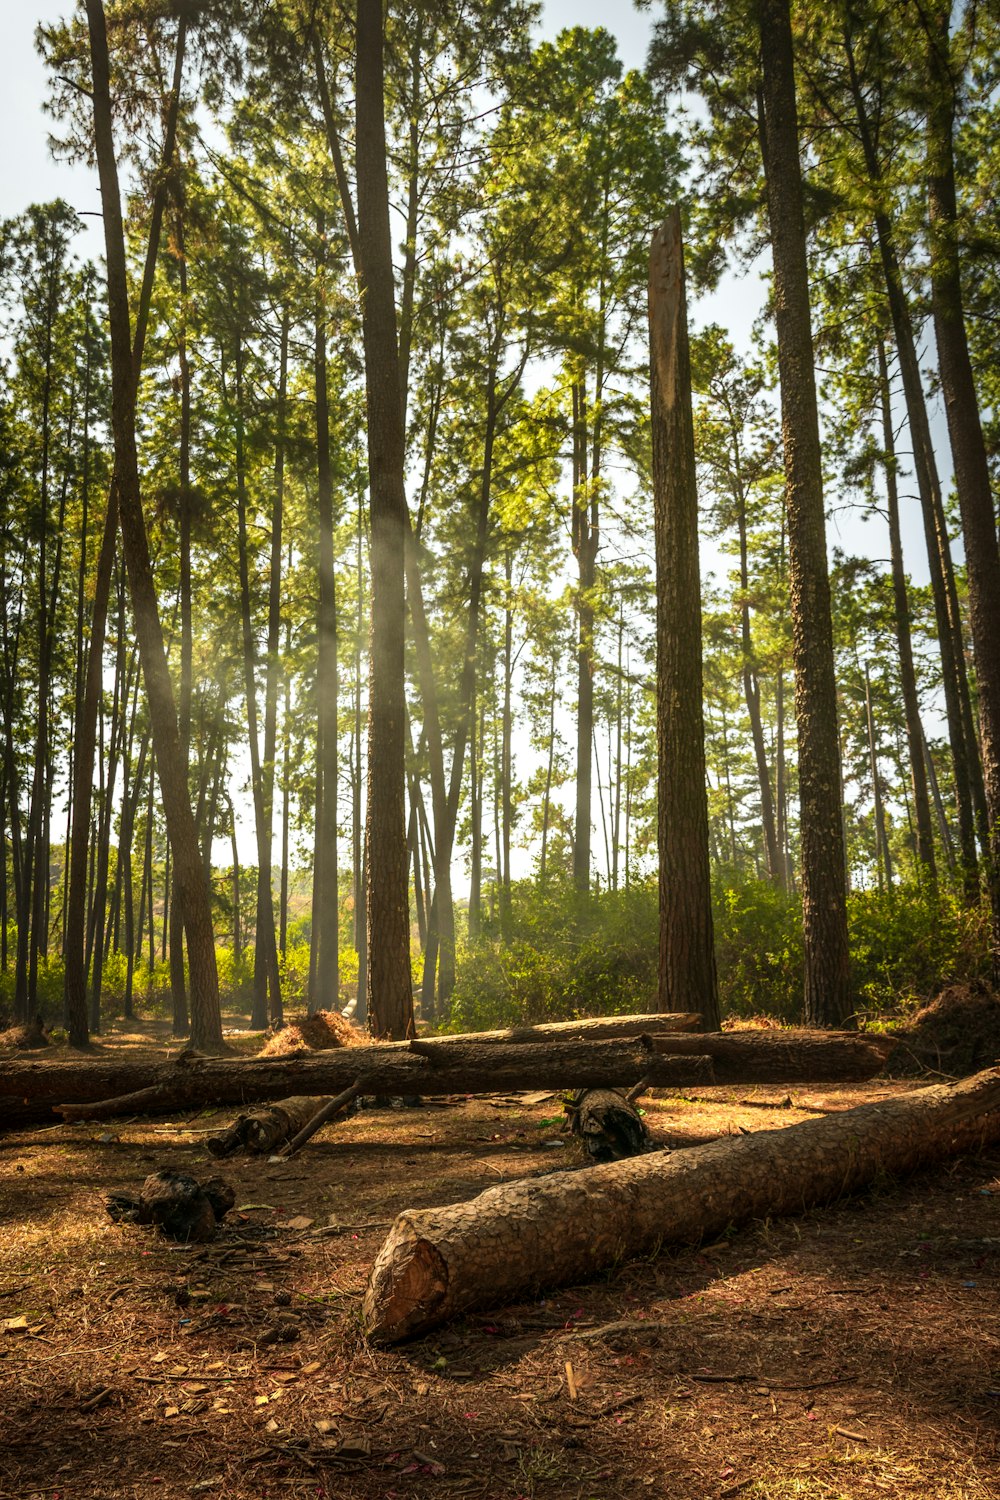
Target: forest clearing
<point>500,750</point>
<point>849,1351</point>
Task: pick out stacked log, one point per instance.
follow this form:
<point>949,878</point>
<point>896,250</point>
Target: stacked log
<point>31,1091</point>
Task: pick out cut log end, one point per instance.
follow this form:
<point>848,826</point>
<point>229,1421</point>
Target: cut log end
<point>408,1283</point>
<point>518,1237</point>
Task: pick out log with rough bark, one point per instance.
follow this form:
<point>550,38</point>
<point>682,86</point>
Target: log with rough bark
<point>438,1263</point>
<point>29,1091</point>
<point>101,1090</point>
<point>263,1129</point>
<point>589,1028</point>
<point>774,1056</point>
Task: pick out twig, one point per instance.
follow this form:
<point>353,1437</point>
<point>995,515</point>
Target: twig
<point>635,1093</point>
<point>772,1385</point>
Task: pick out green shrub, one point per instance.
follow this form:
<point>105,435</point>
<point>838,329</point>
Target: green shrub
<point>906,944</point>
<point>758,947</point>
<point>568,955</point>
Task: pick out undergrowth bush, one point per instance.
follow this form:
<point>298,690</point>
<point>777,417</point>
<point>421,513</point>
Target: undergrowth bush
<point>568,955</point>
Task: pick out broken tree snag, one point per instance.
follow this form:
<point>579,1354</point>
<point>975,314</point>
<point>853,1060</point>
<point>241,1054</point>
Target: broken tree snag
<point>515,1238</point>
<point>263,1129</point>
<point>181,1206</point>
<point>469,1068</point>
<point>608,1123</point>
<point>784,1056</point>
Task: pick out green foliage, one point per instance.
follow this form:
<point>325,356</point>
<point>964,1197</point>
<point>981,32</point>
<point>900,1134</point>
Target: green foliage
<point>569,955</point>
<point>758,944</point>
<point>907,944</point>
<point>574,956</point>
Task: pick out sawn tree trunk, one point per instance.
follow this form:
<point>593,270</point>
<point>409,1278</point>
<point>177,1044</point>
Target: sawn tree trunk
<point>515,1238</point>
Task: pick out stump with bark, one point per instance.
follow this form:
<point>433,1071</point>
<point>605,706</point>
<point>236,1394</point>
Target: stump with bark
<point>608,1123</point>
<point>181,1206</point>
<point>516,1238</point>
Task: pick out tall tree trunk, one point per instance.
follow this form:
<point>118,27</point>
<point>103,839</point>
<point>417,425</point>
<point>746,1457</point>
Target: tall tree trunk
<point>178,980</point>
<point>476,817</point>
<point>206,1018</point>
<point>585,537</point>
<point>883,853</point>
<point>326,929</point>
<point>273,674</point>
<point>828,999</point>
<point>968,449</point>
<point>687,953</point>
<point>506,753</point>
<point>904,643</point>
<point>266,980</point>
<point>751,692</point>
<point>965,754</point>
<point>357,828</point>
<point>390,996</point>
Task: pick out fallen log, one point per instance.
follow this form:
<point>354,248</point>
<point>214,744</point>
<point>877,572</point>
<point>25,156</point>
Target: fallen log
<point>263,1129</point>
<point>29,1091</point>
<point>795,1056</point>
<point>323,1116</point>
<point>588,1029</point>
<point>100,1090</point>
<point>517,1238</point>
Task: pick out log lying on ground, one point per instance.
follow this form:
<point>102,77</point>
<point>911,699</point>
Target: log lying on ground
<point>29,1091</point>
<point>785,1056</point>
<point>589,1029</point>
<point>101,1090</point>
<point>517,1238</point>
<point>262,1129</point>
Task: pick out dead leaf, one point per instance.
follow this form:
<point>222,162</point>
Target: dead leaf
<point>312,1367</point>
<point>14,1325</point>
<point>299,1222</point>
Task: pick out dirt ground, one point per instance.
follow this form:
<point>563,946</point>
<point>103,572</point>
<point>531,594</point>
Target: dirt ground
<point>850,1352</point>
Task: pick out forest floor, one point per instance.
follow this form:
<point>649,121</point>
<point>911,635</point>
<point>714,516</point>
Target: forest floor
<point>849,1352</point>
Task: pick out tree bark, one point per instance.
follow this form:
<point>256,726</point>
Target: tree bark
<point>965,431</point>
<point>965,753</point>
<point>261,1130</point>
<point>440,1262</point>
<point>206,1017</point>
<point>783,1056</point>
<point>828,1000</point>
<point>904,640</point>
<point>446,1065</point>
<point>399,1069</point>
<point>326,905</point>
<point>687,972</point>
<point>390,994</point>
